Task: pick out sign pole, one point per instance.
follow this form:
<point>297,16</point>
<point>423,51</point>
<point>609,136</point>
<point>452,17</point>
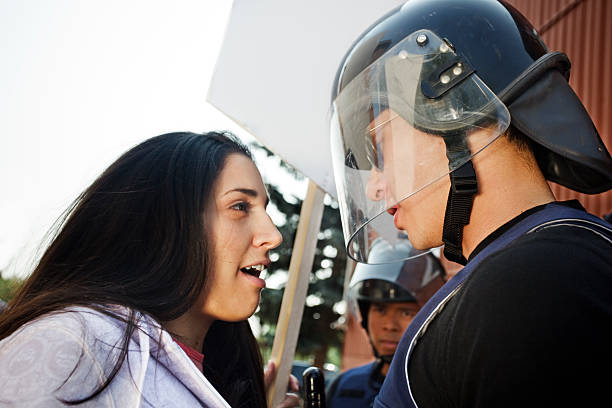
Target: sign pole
<point>294,297</point>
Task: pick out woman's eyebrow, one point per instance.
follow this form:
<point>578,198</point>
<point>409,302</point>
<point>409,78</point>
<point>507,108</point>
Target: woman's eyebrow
<point>249,192</point>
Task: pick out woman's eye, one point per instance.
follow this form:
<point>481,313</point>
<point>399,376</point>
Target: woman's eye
<point>241,206</point>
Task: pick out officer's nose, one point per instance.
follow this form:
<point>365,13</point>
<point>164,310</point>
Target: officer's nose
<point>390,322</point>
<point>376,187</point>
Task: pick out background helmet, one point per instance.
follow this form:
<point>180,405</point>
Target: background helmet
<point>448,67</point>
<point>405,281</point>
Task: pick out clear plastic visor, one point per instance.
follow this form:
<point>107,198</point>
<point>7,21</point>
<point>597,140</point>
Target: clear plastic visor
<point>398,128</point>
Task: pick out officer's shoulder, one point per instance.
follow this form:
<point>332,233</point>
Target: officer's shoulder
<point>562,247</point>
<point>552,258</point>
<point>349,376</point>
<point>359,370</point>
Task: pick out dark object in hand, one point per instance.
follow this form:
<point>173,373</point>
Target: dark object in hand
<point>314,388</point>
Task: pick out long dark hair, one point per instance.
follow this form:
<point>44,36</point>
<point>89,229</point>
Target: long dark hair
<point>136,237</point>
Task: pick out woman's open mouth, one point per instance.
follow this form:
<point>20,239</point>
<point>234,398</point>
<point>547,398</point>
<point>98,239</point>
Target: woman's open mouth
<point>253,270</point>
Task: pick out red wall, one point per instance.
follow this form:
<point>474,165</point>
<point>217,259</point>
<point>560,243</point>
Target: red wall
<point>583,30</point>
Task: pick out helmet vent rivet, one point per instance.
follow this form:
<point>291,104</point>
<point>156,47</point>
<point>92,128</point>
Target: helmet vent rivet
<point>421,39</point>
<point>444,47</point>
<point>403,54</point>
<point>445,79</point>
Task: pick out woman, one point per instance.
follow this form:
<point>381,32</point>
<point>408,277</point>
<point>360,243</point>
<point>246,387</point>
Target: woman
<point>142,297</point>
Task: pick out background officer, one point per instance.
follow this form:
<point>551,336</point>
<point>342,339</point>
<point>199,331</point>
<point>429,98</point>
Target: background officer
<point>385,298</point>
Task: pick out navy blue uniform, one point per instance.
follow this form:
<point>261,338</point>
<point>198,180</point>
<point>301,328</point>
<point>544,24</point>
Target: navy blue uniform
<point>356,388</point>
<point>529,325</point>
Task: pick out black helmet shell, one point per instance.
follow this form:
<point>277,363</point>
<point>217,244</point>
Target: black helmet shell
<point>508,55</point>
<point>497,41</point>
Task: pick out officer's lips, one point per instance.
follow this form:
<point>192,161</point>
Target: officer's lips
<point>394,211</point>
<point>388,345</point>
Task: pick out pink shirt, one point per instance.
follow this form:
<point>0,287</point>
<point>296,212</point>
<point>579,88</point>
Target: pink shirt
<point>195,356</point>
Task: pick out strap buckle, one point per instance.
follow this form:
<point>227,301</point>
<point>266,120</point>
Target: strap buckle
<point>463,179</point>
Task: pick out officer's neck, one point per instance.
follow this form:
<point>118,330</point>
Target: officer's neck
<point>509,183</point>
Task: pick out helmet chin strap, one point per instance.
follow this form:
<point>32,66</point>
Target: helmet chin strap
<point>384,358</point>
<point>460,198</point>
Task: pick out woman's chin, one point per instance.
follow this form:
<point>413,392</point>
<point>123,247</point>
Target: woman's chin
<point>241,312</point>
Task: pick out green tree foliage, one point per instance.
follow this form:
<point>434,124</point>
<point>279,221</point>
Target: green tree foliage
<point>8,287</point>
<point>317,334</point>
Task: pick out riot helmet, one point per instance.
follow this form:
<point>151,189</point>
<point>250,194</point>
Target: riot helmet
<point>453,76</point>
<point>387,280</point>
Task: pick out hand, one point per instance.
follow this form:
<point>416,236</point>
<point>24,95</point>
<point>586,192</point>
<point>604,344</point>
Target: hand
<point>291,399</point>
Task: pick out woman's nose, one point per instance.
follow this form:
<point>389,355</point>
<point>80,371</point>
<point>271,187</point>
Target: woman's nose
<point>267,234</point>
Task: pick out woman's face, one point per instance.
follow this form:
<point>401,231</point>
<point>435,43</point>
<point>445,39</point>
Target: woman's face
<point>242,235</point>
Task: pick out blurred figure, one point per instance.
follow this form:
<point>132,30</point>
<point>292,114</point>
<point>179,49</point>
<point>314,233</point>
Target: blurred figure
<point>385,298</point>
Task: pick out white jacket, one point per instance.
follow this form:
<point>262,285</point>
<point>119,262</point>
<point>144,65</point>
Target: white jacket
<point>68,354</point>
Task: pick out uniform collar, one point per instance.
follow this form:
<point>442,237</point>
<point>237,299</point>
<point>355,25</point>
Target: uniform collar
<point>501,230</point>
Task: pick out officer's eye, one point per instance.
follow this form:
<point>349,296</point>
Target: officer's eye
<point>378,308</point>
<point>374,156</point>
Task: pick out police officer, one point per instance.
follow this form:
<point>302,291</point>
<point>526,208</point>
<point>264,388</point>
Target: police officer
<point>385,298</point>
<point>448,118</point>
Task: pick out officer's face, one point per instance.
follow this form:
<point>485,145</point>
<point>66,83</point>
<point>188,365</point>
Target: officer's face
<point>413,165</point>
<point>387,322</point>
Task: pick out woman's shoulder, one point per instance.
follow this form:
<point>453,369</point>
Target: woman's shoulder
<point>73,322</point>
<point>70,322</point>
<point>79,326</point>
<point>51,356</point>
<point>69,353</point>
